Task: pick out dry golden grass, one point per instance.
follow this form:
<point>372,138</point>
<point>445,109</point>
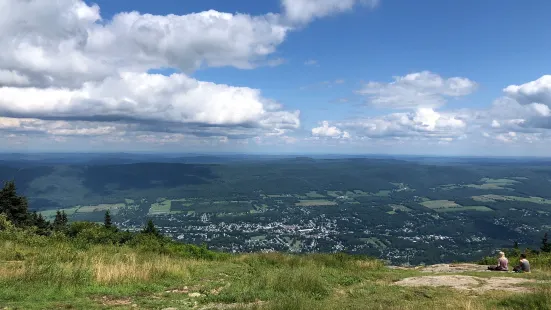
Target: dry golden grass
<point>369,264</point>
<point>10,270</point>
<point>127,268</point>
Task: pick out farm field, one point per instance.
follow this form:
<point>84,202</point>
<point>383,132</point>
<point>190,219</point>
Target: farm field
<point>83,212</point>
<point>494,198</point>
<point>314,203</point>
<point>160,207</point>
<point>451,206</point>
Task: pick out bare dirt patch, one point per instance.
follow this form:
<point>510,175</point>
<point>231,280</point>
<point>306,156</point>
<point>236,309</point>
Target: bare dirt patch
<point>114,301</point>
<point>455,268</point>
<point>469,283</point>
<point>233,306</point>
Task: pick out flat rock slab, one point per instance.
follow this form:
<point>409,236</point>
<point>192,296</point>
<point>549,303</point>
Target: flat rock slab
<point>469,283</point>
<point>444,268</point>
<point>455,268</point>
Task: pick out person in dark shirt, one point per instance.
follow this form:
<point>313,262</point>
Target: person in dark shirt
<point>524,264</point>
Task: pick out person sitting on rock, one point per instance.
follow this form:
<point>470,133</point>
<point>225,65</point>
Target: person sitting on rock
<point>502,263</point>
<point>524,265</point>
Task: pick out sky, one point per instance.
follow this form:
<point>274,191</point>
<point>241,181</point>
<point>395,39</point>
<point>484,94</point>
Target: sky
<point>427,77</point>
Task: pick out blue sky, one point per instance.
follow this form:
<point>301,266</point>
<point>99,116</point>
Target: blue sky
<point>388,76</point>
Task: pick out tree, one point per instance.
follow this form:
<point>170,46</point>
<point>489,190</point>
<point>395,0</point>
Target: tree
<point>107,220</point>
<point>150,229</point>
<point>60,220</point>
<point>64,220</point>
<point>545,245</point>
<point>38,221</point>
<point>13,206</point>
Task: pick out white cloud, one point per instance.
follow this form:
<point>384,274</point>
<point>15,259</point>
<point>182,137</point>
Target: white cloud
<point>153,97</point>
<point>59,128</point>
<point>325,130</point>
<point>304,11</point>
<point>423,123</point>
<point>67,71</point>
<point>416,90</point>
<point>538,91</point>
<point>66,42</point>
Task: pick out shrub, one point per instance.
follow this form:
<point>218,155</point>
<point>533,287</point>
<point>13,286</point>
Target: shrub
<point>5,224</point>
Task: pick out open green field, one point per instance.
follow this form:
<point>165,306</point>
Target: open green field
<point>50,214</point>
<point>485,184</point>
<point>440,204</point>
<point>314,203</point>
<point>494,198</point>
<point>80,211</point>
<point>451,206</point>
<point>102,207</point>
<point>467,208</point>
<point>160,207</point>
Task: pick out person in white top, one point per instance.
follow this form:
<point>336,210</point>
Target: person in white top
<point>502,263</point>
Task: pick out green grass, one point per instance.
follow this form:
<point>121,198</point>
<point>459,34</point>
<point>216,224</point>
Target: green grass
<point>485,184</point>
<point>334,193</point>
<point>50,214</point>
<point>58,273</point>
<point>494,198</point>
<point>384,193</point>
<point>450,206</point>
<point>113,208</point>
<point>102,207</point>
<point>317,202</point>
<point>440,204</point>
<point>467,208</point>
<point>160,207</point>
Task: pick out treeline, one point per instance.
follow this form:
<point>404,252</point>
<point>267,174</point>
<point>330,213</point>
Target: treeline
<point>16,218</point>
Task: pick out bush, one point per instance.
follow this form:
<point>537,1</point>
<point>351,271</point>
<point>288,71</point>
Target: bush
<point>5,224</point>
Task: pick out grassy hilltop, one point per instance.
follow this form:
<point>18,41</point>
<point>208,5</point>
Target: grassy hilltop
<point>84,265</point>
<point>58,272</point>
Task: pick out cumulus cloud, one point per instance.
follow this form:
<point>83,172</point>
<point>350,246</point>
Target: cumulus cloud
<point>67,42</point>
<point>303,11</point>
<point>423,123</point>
<point>59,128</point>
<point>66,70</point>
<point>522,116</point>
<point>416,90</point>
<point>154,97</point>
<point>534,92</point>
<point>327,131</point>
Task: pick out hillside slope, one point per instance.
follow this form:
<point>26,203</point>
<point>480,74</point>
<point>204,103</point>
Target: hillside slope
<point>55,272</point>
